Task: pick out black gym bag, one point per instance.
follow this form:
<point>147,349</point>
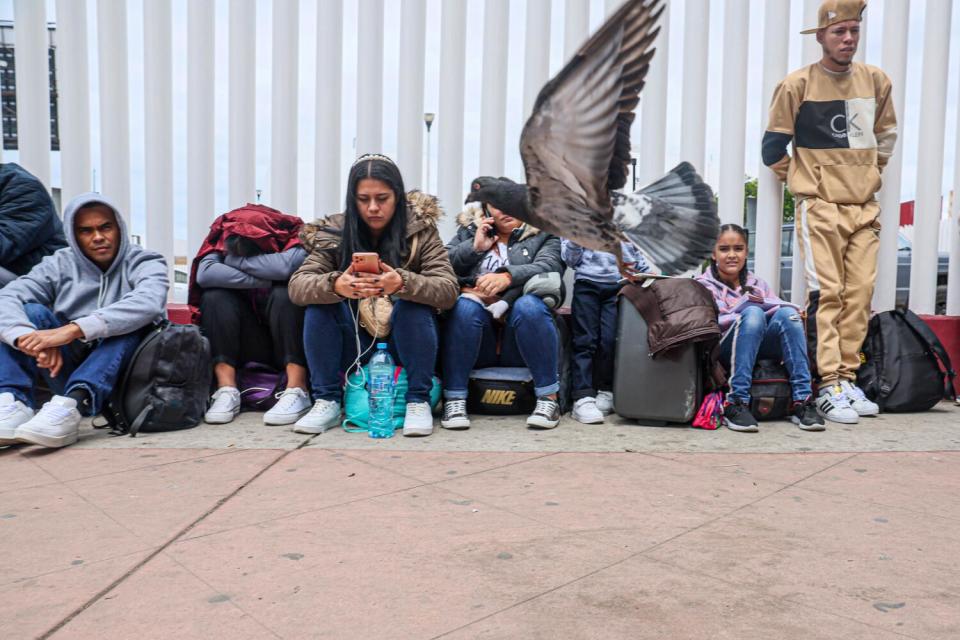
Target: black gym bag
<point>901,363</point>
<point>770,393</point>
<point>166,384</point>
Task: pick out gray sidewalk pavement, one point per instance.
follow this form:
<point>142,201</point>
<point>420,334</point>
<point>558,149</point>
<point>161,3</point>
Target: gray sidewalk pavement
<point>609,531</point>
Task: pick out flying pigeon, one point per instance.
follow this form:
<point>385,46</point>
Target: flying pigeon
<point>576,147</point>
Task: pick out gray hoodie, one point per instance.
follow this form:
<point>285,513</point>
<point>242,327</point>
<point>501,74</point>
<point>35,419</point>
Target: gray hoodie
<point>131,294</point>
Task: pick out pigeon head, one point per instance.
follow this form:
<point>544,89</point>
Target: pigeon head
<point>501,193</point>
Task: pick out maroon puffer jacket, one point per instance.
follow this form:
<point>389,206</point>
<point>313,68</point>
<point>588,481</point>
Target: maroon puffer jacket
<point>676,310</point>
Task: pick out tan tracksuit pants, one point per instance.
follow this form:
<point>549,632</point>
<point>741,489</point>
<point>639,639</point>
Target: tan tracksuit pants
<point>839,244</point>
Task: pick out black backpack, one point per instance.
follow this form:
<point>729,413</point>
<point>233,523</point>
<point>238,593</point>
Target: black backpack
<point>900,370</point>
<point>770,393</point>
<point>166,384</point>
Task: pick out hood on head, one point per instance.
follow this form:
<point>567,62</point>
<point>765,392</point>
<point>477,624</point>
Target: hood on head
<point>70,214</point>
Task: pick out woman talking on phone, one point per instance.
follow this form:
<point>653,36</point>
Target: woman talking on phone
<point>410,267</point>
<point>755,323</point>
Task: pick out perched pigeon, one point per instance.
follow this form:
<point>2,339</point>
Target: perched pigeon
<point>576,149</point>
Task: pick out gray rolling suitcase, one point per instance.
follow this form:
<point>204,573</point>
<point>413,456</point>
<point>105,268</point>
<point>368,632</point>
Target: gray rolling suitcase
<point>658,391</point>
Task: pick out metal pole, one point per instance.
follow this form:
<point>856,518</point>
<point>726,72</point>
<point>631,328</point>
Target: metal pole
<point>536,65</point>
<point>242,115</point>
<point>329,90</point>
<point>453,36</point>
<point>200,121</point>
<point>733,111</point>
<point>693,112</point>
<point>283,134</point>
<point>894,59</point>
<point>33,88</point>
<point>953,275</point>
<point>73,102</point>
<point>653,102</point>
<point>114,103</point>
<point>493,98</point>
<point>370,85</point>
<point>576,24</point>
<point>933,98</point>
<point>413,27</point>
<point>158,134</point>
<point>776,27</point>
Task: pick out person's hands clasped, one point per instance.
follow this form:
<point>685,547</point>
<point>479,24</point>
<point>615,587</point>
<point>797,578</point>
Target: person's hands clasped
<point>482,241</point>
<point>33,343</point>
<point>357,286</point>
<point>491,284</point>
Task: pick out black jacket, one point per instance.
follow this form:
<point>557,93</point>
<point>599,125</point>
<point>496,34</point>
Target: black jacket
<point>29,225</point>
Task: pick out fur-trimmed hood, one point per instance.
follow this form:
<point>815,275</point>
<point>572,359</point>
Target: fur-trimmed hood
<point>471,216</point>
<point>324,233</point>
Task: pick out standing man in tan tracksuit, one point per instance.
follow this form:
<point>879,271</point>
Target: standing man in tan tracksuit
<point>839,116</point>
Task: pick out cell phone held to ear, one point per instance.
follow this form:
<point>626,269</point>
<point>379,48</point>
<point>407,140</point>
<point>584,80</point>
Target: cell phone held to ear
<point>366,263</point>
<point>491,230</point>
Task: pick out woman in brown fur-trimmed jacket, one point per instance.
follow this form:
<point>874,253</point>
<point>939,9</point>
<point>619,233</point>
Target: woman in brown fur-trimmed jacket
<point>415,272</point>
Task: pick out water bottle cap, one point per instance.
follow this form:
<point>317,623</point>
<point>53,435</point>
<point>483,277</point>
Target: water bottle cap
<point>381,345</point>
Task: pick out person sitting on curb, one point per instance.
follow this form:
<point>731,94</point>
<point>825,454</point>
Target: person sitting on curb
<point>756,323</point>
<point>76,318</point>
<point>594,325</point>
<point>245,310</point>
<point>494,256</point>
<point>29,225</point>
<point>414,271</point>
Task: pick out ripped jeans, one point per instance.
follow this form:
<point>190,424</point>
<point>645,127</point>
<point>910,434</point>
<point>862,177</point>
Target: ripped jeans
<point>754,336</point>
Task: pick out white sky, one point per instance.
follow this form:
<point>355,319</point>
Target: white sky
<point>908,114</point>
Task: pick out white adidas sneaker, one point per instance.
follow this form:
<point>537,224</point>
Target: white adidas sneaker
<point>859,400</point>
<point>833,405</point>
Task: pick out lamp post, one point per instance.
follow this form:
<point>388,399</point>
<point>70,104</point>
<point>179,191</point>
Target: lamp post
<point>633,164</point>
<point>428,120</point>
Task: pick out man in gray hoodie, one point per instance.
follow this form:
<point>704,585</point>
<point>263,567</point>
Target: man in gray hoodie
<point>75,318</point>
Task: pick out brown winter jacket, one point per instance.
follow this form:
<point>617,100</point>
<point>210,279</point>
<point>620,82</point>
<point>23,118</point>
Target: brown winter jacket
<point>427,275</point>
<point>676,310</point>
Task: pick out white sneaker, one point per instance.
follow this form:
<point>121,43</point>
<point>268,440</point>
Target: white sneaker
<point>225,406</point>
<point>291,405</point>
<point>833,405</point>
<point>586,411</point>
<point>859,400</point>
<point>605,402</point>
<point>455,415</point>
<point>324,415</point>
<point>418,420</point>
<point>13,413</point>
<point>57,424</point>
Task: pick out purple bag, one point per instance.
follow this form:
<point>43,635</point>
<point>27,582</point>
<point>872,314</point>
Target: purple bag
<point>259,385</point>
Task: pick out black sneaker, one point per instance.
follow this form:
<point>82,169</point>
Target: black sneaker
<point>455,415</point>
<point>546,415</point>
<point>737,416</point>
<point>805,415</point>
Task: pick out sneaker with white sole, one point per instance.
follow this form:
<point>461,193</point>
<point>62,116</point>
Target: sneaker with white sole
<point>586,411</point>
<point>859,400</point>
<point>13,413</point>
<point>324,415</point>
<point>605,402</point>
<point>418,420</point>
<point>225,406</point>
<point>833,405</point>
<point>546,415</point>
<point>292,404</point>
<point>57,424</point>
<point>455,415</point>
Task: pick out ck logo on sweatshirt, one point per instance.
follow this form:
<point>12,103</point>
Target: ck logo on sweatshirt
<point>837,124</point>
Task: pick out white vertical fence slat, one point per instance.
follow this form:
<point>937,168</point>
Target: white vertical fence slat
<point>242,106</point>
<point>933,105</point>
<point>329,93</point>
<point>158,120</point>
<point>73,101</point>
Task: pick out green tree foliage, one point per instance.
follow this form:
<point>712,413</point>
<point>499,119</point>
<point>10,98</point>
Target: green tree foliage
<point>750,191</point>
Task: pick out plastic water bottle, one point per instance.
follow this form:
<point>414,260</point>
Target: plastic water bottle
<point>380,389</point>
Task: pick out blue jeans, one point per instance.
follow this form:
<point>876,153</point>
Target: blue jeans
<point>594,317</point>
<point>94,367</point>
<point>753,336</point>
<point>529,340</point>
<point>329,340</point>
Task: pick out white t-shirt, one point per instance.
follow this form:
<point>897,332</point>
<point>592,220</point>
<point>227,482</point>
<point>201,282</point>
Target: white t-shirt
<point>494,259</point>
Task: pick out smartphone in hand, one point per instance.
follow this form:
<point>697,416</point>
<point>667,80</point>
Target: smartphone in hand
<point>492,229</point>
<point>366,263</point>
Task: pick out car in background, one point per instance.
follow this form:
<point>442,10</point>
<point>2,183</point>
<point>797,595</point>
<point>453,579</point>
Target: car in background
<point>904,256</point>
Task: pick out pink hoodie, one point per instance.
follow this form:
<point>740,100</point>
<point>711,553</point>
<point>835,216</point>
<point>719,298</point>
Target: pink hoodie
<point>729,299</point>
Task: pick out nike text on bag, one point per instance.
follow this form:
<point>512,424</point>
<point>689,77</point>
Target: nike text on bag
<point>902,361</point>
<point>166,385</point>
